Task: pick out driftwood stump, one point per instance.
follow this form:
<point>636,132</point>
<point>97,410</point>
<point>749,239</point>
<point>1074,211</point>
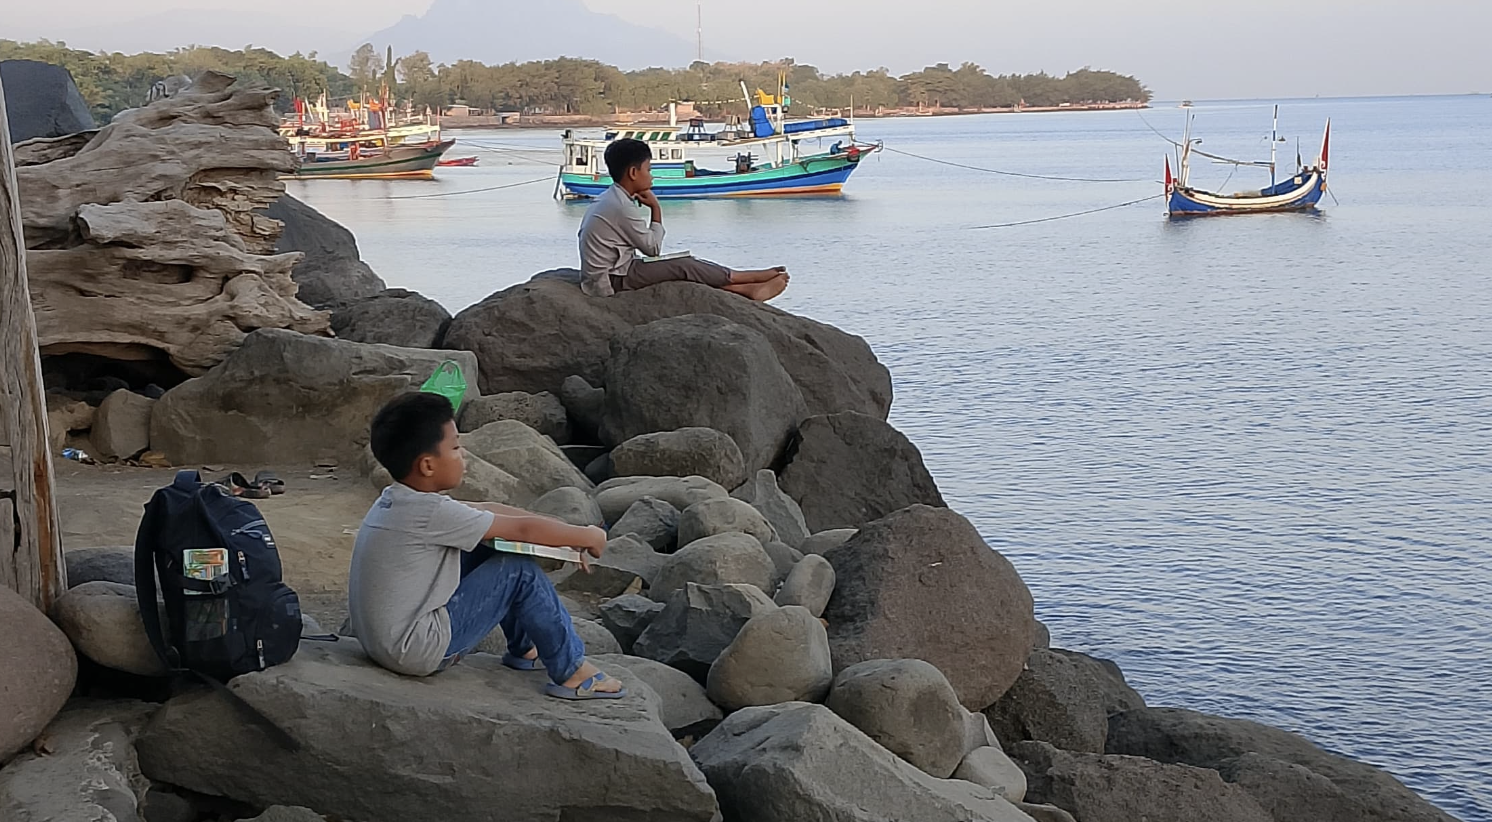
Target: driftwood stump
<point>146,239</point>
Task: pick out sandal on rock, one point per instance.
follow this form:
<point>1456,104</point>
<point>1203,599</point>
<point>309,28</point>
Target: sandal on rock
<point>268,480</point>
<point>585,690</point>
<point>519,663</point>
<point>241,487</point>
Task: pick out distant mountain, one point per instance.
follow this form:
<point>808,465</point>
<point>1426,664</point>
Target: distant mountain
<point>502,31</point>
<point>208,27</point>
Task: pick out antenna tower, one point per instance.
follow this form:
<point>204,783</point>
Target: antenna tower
<point>699,32</point>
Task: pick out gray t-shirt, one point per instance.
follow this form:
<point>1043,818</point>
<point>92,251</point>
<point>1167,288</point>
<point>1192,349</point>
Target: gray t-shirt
<point>406,564</point>
<point>614,230</point>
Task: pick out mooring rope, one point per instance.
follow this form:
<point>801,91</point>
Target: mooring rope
<point>1016,173</point>
<point>1065,216</point>
<point>469,190</point>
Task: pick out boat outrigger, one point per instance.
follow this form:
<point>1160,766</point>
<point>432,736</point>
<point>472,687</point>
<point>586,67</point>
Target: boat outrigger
<point>783,168</point>
<point>1299,192</point>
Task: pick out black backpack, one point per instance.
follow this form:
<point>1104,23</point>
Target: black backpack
<point>220,621</point>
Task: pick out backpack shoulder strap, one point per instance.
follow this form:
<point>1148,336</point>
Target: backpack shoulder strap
<point>145,587</point>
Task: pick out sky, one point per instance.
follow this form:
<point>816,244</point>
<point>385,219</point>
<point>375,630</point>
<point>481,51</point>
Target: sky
<point>1206,50</point>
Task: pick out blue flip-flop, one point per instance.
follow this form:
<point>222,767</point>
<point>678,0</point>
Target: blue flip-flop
<point>519,663</point>
<point>585,690</point>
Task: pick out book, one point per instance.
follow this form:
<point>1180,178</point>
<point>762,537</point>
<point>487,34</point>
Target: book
<point>206,564</point>
<point>563,554</point>
<point>677,255</point>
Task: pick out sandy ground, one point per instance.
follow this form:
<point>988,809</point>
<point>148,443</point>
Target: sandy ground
<point>314,521</point>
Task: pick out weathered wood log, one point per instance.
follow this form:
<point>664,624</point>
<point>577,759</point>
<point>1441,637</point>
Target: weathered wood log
<point>31,560</point>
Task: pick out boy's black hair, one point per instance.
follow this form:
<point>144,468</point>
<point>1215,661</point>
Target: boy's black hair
<point>624,155</point>
<point>407,428</point>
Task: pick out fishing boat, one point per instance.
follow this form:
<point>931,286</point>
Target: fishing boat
<point>1300,191</point>
<point>393,163</point>
<point>458,162</point>
<point>773,156</point>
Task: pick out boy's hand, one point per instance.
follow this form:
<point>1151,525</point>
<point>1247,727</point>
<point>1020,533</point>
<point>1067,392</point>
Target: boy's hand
<point>647,198</point>
<point>592,546</point>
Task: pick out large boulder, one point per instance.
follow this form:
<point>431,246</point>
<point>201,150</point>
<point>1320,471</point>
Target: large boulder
<point>809,584</point>
<point>990,767</point>
<point>713,517</point>
<point>87,772</point>
<point>395,316</point>
<point>583,403</point>
<point>103,621</point>
<point>615,496</point>
<point>331,273</point>
<point>569,504</point>
<point>701,370</point>
<point>908,707</point>
<point>37,672</point>
<point>716,560</point>
<point>921,583</point>
<point>1100,788</point>
<point>697,623</point>
<point>798,761</point>
<point>287,398</point>
<point>626,564</point>
<point>121,427</point>
<point>779,509</point>
<point>94,564</point>
<point>426,744</point>
<point>1192,738</point>
<point>824,541</point>
<point>532,336</point>
<point>538,464</point>
<point>779,656</point>
<point>686,452</point>
<point>627,616</point>
<point>653,520</point>
<point>1062,698</point>
<point>541,412</point>
<point>849,468</point>
<point>41,100</point>
<point>1289,792</point>
<point>682,703</point>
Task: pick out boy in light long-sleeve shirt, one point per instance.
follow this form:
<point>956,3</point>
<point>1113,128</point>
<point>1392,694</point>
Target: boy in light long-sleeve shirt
<point>626,221</point>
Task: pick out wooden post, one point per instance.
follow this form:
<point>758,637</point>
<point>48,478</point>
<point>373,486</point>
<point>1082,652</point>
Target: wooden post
<point>31,563</point>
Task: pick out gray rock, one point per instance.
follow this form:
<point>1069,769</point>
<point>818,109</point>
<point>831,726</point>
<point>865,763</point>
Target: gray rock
<point>66,416</point>
<point>716,560</point>
<point>778,656</point>
<point>597,639</point>
<point>332,272</point>
<point>598,470</point>
<point>1064,699</point>
<point>701,370</point>
<point>1099,788</point>
<point>978,734</point>
<point>825,541</point>
<point>531,457</point>
<point>1041,640</point>
<point>286,813</point>
<point>848,469</point>
<point>626,562</point>
<point>87,772</point>
<point>1288,791</point>
<point>686,452</point>
<point>395,316</point>
<point>534,335</point>
<point>582,402</point>
<point>37,671</point>
<point>908,707</point>
<point>1192,738</point>
<point>1043,813</point>
<point>485,482</point>
<point>41,100</point>
<point>711,517</point>
<point>573,505</point>
<point>779,509</point>
<point>627,616</point>
<point>583,455</point>
<point>542,412</point>
<point>162,805</point>
<point>286,398</point>
<point>697,623</point>
<point>121,427</point>
<point>353,720</point>
<point>991,768</point>
<point>615,496</point>
<point>103,621</point>
<point>922,583</point>
<point>810,585</point>
<point>654,521</point>
<point>100,564</point>
<point>683,706</point>
<point>801,762</point>
<point>784,557</point>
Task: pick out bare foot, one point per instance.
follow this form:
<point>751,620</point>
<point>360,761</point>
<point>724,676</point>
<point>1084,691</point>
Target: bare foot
<point>586,671</point>
<point>533,653</point>
<point>762,275</point>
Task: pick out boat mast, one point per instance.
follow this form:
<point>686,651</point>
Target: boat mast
<point>1186,150</point>
<point>1274,141</point>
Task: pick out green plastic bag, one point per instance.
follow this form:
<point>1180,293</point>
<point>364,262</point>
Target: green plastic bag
<point>448,382</point>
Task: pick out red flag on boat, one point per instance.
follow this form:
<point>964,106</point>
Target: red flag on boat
<point>1325,145</point>
<point>1168,175</point>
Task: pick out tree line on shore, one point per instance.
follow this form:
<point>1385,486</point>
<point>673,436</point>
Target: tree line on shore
<point>111,82</point>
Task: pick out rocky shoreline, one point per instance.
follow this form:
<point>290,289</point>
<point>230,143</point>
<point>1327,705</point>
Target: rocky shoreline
<point>809,631</point>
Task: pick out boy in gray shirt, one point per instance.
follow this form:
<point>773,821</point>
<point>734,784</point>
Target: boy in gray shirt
<point>616,229</point>
<point>422,591</point>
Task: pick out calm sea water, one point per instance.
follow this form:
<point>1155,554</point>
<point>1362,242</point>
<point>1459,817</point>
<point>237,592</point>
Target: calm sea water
<point>1248,458</point>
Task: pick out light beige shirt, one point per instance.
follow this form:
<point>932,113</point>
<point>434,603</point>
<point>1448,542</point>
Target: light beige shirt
<point>614,231</point>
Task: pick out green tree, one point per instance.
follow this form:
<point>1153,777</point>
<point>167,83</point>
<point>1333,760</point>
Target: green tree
<point>365,65</point>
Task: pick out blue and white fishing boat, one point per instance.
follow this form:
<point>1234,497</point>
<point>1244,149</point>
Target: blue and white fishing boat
<point>1299,192</point>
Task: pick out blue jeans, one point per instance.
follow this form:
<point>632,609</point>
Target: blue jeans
<point>510,591</point>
